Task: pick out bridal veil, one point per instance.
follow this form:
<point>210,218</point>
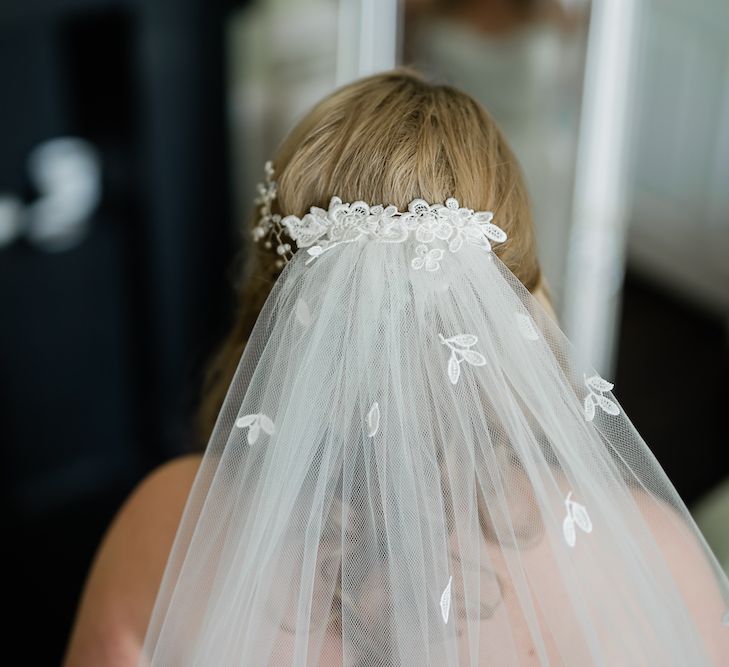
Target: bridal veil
<point>409,468</point>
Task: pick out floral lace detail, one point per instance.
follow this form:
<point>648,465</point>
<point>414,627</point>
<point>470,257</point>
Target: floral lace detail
<point>430,259</point>
<point>320,230</point>
<point>576,516</point>
<point>597,386</point>
<point>458,345</point>
<point>448,224</point>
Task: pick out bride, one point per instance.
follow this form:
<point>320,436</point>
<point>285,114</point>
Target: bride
<point>405,464</point>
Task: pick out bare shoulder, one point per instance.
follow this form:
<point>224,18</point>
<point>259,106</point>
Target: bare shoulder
<point>125,574</point>
<point>688,562</point>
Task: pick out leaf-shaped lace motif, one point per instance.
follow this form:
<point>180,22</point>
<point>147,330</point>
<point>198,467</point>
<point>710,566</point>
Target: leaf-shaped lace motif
<point>589,407</point>
<point>606,404</point>
<point>255,423</point>
<point>445,600</point>
<point>494,233</point>
<point>463,340</point>
<point>455,244</point>
<point>596,386</point>
<point>373,419</point>
<point>458,345</point>
<point>246,420</point>
<point>577,517</point>
<point>474,358</point>
<point>454,369</point>
<point>581,517</point>
<point>527,328</point>
<point>568,528</point>
<point>266,423</point>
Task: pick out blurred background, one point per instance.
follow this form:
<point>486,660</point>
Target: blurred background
<point>133,135</point>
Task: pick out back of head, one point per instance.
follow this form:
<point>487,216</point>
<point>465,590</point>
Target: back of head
<point>393,137</point>
<point>385,139</point>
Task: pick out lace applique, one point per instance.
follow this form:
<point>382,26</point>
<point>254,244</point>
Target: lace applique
<point>597,386</point>
<point>576,516</point>
<point>373,419</point>
<point>458,345</point>
<point>255,424</point>
<point>445,601</point>
<point>320,230</point>
<point>430,259</point>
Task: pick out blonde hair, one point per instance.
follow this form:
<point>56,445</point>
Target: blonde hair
<point>385,139</point>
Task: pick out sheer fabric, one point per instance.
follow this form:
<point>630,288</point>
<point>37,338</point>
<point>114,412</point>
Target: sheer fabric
<point>409,469</point>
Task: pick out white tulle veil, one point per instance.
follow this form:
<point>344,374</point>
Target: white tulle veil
<point>409,469</point>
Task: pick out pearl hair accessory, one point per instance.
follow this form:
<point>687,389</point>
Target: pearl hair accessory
<point>268,228</point>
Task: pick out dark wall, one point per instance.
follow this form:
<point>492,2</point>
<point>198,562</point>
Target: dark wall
<point>673,364</point>
<point>102,343</point>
